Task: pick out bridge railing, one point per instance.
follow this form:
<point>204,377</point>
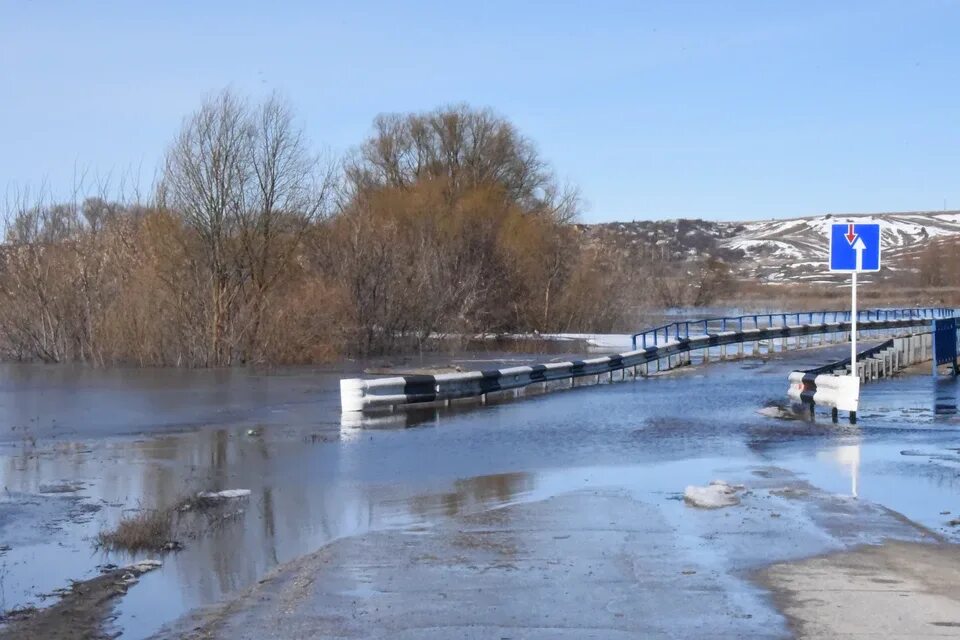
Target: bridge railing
<point>686,328</point>
<point>830,386</point>
<point>845,362</point>
<point>361,395</point>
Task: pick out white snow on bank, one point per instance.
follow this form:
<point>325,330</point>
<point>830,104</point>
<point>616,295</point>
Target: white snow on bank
<point>131,573</point>
<point>715,495</point>
<point>144,565</point>
<point>226,494</point>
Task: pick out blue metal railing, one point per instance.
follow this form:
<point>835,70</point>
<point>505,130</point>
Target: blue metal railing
<point>682,329</point>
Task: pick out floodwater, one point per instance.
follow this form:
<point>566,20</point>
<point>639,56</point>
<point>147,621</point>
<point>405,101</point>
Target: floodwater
<point>144,438</point>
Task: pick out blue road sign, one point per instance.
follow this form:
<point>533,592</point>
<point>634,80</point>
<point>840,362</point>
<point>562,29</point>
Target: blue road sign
<point>855,247</point>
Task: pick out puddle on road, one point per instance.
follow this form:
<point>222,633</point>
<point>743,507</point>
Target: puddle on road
<point>312,483</point>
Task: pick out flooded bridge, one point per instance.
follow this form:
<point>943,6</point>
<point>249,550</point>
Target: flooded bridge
<point>660,348</point>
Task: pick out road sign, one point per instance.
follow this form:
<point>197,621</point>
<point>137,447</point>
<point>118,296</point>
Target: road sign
<point>854,247</point>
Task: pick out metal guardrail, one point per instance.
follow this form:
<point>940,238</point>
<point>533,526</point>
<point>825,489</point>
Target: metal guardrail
<point>831,385</point>
<point>360,394</point>
<point>840,364</point>
<point>682,328</point>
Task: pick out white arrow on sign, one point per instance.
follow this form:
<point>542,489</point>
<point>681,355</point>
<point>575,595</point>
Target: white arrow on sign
<point>859,246</point>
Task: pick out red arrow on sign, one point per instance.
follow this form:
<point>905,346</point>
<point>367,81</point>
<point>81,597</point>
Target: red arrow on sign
<point>851,236</point>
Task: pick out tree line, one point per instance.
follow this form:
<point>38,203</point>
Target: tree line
<point>254,249</point>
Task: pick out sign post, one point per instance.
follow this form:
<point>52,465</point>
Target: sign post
<point>854,248</point>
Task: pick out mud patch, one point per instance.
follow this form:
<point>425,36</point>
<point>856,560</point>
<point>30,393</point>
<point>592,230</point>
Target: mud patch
<point>783,412</point>
<point>83,609</point>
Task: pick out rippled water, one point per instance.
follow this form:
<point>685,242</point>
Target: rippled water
<point>147,437</point>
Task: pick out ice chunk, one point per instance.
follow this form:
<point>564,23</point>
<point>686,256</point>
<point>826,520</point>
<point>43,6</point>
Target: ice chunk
<point>226,494</point>
<point>143,566</point>
<point>715,495</point>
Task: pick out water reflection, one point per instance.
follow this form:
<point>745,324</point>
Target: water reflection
<point>352,423</point>
<point>473,494</point>
<point>296,507</point>
<point>847,457</point>
<point>416,415</point>
<point>945,396</point>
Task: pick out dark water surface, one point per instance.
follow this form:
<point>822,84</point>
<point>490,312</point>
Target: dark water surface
<point>146,437</point>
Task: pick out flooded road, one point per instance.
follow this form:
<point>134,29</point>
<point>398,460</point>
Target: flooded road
<point>79,447</point>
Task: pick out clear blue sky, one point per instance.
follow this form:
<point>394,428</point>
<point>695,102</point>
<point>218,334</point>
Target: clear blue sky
<point>725,110</point>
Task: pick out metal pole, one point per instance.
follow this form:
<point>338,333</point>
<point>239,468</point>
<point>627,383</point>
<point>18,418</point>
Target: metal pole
<point>853,326</point>
<point>933,346</point>
<point>853,337</point>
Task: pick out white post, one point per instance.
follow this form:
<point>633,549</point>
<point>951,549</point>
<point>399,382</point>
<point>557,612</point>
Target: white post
<point>352,393</point>
<point>853,326</point>
<point>852,384</point>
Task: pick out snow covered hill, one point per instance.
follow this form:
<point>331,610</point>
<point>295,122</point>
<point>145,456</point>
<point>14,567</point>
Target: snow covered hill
<point>772,250</point>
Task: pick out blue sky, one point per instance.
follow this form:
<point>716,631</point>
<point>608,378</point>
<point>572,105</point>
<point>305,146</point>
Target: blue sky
<point>722,110</point>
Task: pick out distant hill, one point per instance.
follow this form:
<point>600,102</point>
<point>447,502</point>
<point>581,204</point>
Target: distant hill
<point>772,251</point>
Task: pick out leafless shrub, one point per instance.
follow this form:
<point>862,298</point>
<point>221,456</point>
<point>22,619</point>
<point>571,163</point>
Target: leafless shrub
<point>693,283</point>
<point>159,529</point>
<point>446,223</point>
<point>149,529</point>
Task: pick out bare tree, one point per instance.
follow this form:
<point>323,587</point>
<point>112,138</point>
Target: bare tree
<point>207,169</point>
<point>243,179</point>
<point>712,280</point>
<point>289,192</point>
